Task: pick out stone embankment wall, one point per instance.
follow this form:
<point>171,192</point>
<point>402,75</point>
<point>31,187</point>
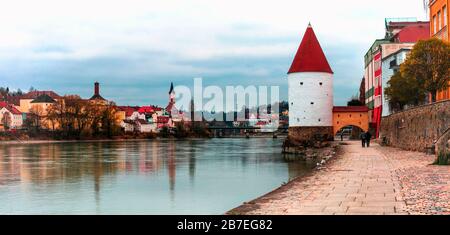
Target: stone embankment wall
<point>418,128</point>
<point>308,136</point>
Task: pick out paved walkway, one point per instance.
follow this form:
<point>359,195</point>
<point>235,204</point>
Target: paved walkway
<point>360,181</point>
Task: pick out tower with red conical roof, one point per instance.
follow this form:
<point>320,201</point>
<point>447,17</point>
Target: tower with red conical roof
<point>310,81</point>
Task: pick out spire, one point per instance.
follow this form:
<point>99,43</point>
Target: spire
<point>310,56</point>
<point>171,88</point>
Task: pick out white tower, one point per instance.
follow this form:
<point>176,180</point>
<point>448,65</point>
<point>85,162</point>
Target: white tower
<point>310,81</point>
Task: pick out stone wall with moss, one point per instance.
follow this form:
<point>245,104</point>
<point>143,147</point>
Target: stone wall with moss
<point>418,128</point>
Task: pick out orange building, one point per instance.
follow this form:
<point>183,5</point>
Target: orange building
<point>439,17</point>
<point>344,116</point>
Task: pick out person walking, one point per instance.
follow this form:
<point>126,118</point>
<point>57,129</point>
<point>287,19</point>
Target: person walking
<point>362,136</point>
<point>368,137</point>
<point>342,135</point>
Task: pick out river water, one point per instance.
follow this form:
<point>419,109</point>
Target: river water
<point>197,176</point>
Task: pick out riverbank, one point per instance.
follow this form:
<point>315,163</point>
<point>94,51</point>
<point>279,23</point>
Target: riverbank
<point>376,181</point>
<point>121,139</point>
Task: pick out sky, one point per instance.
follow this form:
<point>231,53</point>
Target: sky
<point>135,48</point>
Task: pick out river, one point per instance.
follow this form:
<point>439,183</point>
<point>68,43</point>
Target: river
<point>196,176</point>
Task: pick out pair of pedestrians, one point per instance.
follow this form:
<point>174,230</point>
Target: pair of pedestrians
<point>365,139</point>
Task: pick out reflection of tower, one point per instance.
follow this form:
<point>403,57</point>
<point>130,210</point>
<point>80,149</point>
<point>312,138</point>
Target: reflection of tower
<point>171,168</point>
<point>192,165</point>
<point>98,172</point>
<point>310,81</point>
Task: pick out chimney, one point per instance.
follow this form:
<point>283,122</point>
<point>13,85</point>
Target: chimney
<point>97,88</point>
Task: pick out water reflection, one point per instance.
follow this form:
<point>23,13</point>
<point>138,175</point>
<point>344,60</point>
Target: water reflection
<point>141,177</point>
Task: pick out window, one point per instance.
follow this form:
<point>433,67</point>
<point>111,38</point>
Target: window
<point>319,119</point>
<point>312,102</point>
<point>444,10</point>
<point>434,24</point>
<point>320,83</point>
<point>439,20</point>
<point>301,83</point>
<point>393,63</point>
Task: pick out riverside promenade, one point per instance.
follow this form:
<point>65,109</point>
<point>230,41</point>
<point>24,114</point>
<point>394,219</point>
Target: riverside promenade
<point>359,181</point>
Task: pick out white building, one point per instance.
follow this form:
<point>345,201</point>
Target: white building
<point>144,127</point>
<point>127,125</point>
<point>310,81</point>
<point>136,115</point>
<point>390,65</point>
<point>10,117</point>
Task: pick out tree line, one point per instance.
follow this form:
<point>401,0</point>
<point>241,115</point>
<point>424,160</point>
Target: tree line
<point>75,117</point>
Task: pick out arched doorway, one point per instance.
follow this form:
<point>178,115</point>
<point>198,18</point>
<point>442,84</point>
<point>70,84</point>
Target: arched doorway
<point>348,132</point>
<point>354,118</point>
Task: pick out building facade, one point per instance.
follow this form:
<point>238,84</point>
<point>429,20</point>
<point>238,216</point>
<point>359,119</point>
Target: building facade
<point>10,117</point>
<point>389,66</point>
<point>400,34</point>
<point>439,18</point>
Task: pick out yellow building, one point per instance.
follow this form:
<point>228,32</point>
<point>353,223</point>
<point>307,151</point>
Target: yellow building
<point>40,106</point>
<point>27,99</point>
<point>439,18</point>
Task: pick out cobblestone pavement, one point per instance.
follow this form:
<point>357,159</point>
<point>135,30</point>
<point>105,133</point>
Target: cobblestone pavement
<point>376,181</point>
<point>424,187</point>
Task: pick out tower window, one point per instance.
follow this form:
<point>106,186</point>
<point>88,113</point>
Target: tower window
<point>298,119</point>
<point>312,102</point>
<point>319,119</point>
<point>292,103</point>
<point>320,83</point>
<point>301,83</point>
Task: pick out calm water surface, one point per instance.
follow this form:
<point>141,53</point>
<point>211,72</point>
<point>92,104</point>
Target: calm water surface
<point>200,176</point>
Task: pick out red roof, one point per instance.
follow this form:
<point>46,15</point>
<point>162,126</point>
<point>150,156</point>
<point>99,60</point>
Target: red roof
<point>350,109</point>
<point>3,104</point>
<point>146,109</point>
<point>413,33</point>
<point>10,108</point>
<point>14,110</point>
<point>129,110</point>
<point>310,56</point>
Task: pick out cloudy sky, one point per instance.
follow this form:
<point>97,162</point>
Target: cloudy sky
<point>135,48</point>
